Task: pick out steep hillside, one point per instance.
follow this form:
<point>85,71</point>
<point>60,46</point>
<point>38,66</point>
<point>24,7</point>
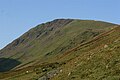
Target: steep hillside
<point>63,45</point>
<point>98,59</point>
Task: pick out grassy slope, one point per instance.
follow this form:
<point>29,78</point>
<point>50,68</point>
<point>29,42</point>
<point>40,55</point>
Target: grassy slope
<point>97,62</point>
<point>51,46</point>
<point>68,38</point>
<point>91,61</point>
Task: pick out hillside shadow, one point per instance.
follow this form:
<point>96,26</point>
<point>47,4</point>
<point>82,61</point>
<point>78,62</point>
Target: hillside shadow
<point>7,64</point>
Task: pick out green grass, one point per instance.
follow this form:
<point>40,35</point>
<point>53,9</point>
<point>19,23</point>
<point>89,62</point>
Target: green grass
<point>99,63</point>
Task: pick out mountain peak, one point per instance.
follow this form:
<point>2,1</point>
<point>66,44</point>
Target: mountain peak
<point>50,45</point>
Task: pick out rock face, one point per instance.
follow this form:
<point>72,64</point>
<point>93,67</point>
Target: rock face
<point>50,74</point>
<point>19,45</point>
<point>37,32</point>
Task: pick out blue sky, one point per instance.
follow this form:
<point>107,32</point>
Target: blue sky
<point>18,16</point>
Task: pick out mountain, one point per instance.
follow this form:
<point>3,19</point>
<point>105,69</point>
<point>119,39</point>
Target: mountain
<point>68,49</point>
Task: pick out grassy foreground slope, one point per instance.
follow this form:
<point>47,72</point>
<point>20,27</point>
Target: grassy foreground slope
<point>74,48</point>
<point>98,60</point>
